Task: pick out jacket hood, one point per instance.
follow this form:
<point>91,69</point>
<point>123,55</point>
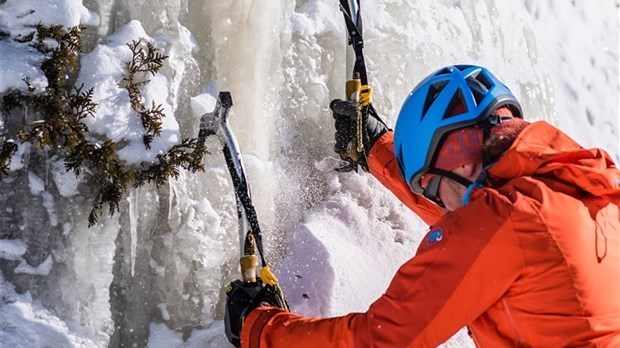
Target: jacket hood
<point>543,150</point>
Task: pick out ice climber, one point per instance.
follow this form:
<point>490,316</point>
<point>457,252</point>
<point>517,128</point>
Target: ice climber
<point>524,243</point>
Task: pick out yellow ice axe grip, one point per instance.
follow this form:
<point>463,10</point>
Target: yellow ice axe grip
<point>358,93</point>
<point>365,95</point>
<point>268,277</point>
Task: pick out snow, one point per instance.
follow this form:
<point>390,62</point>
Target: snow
<point>12,249</point>
<point>20,14</point>
<point>164,311</point>
<point>24,325</point>
<point>316,17</point>
<point>103,69</point>
<point>66,182</point>
<point>203,103</point>
<point>37,185</point>
<point>19,17</point>
<point>19,65</point>
<point>48,203</point>
<point>331,250</point>
<point>163,337</point>
<point>335,240</point>
<point>17,161</point>
<point>43,269</point>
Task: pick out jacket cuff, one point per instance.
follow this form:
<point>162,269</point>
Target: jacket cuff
<point>254,323</point>
<point>381,152</point>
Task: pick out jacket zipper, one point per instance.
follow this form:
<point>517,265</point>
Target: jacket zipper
<point>512,323</point>
<point>473,337</point>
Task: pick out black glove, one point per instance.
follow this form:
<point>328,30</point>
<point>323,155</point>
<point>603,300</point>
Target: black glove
<point>241,299</point>
<point>345,116</point>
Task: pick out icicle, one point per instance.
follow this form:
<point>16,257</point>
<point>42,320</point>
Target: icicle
<point>133,227</point>
<point>172,197</point>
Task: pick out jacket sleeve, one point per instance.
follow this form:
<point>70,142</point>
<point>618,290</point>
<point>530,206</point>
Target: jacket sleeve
<point>456,275</point>
<point>384,167</point>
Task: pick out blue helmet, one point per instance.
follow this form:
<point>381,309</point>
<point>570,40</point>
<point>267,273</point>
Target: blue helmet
<point>428,114</point>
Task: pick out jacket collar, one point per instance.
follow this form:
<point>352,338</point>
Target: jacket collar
<point>543,150</point>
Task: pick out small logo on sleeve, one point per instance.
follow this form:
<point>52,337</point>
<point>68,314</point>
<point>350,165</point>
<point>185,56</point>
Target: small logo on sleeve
<point>434,236</point>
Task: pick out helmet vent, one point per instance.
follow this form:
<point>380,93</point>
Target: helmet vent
<point>479,87</point>
<point>433,92</point>
<point>444,71</point>
<point>482,79</point>
<point>457,105</point>
<point>478,96</point>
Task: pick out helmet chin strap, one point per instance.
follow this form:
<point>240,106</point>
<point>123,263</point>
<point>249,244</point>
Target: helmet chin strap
<point>450,175</point>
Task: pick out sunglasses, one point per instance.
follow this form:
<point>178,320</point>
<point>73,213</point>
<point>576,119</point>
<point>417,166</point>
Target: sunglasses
<point>431,190</point>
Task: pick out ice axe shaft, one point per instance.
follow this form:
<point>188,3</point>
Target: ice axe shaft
<point>215,123</point>
<point>351,7</point>
<point>356,88</point>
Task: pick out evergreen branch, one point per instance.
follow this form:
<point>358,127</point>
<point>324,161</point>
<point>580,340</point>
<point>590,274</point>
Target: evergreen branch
<point>152,122</point>
<point>62,59</point>
<point>143,60</point>
<point>12,100</point>
<point>81,104</point>
<point>111,177</point>
<point>63,108</point>
<point>29,85</point>
<point>7,151</point>
<point>186,155</point>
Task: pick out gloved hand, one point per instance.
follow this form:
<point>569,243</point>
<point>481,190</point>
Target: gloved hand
<point>241,299</point>
<point>345,116</point>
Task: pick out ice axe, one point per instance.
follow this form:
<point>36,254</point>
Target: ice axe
<point>357,88</point>
<point>250,237</point>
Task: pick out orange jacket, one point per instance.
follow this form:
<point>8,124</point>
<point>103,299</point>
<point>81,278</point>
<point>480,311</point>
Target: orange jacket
<point>532,260</point>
